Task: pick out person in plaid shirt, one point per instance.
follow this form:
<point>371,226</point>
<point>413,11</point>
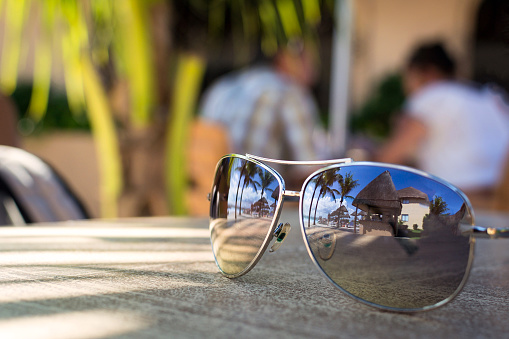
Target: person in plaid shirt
<point>268,110</point>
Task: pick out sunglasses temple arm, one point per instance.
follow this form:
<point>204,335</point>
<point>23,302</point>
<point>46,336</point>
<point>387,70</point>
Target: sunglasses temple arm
<point>485,232</point>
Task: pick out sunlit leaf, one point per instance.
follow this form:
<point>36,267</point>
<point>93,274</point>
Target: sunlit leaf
<point>135,49</point>
<point>42,81</point>
<point>42,63</point>
<point>105,136</point>
<point>74,39</point>
<point>311,9</point>
<point>11,50</point>
<point>188,79</point>
<point>103,19</point>
<point>289,18</point>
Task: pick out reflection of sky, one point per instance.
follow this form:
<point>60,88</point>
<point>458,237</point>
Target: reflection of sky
<point>250,194</point>
<point>401,179</point>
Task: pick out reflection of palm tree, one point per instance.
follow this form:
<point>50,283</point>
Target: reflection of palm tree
<point>347,184</point>
<point>325,183</point>
<point>247,169</point>
<point>317,181</point>
<point>249,181</point>
<point>265,180</point>
<point>240,169</point>
<point>438,206</point>
<point>324,191</point>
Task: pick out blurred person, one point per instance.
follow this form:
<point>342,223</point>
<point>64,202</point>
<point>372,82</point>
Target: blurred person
<point>8,123</point>
<point>457,131</point>
<point>267,110</point>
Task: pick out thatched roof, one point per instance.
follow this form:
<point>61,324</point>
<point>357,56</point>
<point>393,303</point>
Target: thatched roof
<point>341,211</point>
<point>261,202</point>
<point>412,193</point>
<point>379,196</point>
<point>360,213</point>
<point>275,194</point>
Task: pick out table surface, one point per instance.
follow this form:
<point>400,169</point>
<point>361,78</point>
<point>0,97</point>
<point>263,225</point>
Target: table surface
<point>156,278</point>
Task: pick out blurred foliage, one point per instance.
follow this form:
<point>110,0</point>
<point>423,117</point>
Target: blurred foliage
<point>376,117</point>
<point>58,115</point>
<point>104,43</point>
<point>206,24</point>
<point>204,27</point>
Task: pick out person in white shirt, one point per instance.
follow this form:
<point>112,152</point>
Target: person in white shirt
<point>456,131</point>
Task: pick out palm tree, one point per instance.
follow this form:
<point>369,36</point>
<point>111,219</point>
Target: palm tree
<point>125,45</point>
<point>347,184</point>
<point>438,206</point>
<point>327,180</point>
<point>318,182</point>
<point>242,169</point>
<point>250,171</point>
<point>324,191</point>
<point>265,180</point>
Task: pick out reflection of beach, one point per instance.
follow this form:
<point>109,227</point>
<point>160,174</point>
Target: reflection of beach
<point>236,242</point>
<point>396,272</point>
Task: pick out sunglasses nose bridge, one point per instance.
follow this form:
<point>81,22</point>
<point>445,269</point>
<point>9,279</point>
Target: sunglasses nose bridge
<point>291,195</point>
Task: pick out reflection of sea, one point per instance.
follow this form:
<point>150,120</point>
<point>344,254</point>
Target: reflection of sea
<point>236,242</point>
<point>395,272</point>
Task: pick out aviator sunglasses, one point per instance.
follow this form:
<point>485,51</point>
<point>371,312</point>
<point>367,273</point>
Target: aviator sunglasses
<point>389,236</point>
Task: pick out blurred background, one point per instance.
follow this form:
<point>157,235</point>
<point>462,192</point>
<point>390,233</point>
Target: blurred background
<point>107,91</point>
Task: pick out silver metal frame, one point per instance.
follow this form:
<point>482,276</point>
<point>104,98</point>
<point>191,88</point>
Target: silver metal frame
<point>277,214</point>
<point>411,170</point>
<point>469,230</point>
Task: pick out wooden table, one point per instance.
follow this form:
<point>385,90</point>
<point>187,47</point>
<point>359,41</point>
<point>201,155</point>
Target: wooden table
<point>156,278</point>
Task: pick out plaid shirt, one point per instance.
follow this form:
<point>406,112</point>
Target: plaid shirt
<point>266,115</point>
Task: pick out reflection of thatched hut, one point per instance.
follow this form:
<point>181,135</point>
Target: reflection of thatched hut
<point>380,199</point>
<point>412,195</point>
<point>359,214</point>
<point>275,194</point>
<point>340,214</point>
<point>261,207</point>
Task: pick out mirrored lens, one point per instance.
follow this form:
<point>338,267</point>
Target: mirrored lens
<point>244,201</point>
<point>388,236</point>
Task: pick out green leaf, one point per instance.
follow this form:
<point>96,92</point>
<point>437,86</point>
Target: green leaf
<point>42,63</point>
<point>74,39</point>
<point>190,72</point>
<point>135,52</point>
<point>311,9</point>
<point>42,82</point>
<point>105,137</point>
<point>289,18</point>
<point>14,22</point>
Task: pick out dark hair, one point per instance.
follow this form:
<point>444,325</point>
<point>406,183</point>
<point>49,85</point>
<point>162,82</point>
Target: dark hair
<point>432,55</point>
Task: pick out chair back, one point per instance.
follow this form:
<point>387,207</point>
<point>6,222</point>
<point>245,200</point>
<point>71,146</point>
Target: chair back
<point>207,143</point>
<point>31,191</point>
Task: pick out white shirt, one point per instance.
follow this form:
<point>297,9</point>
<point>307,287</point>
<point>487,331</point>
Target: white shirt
<point>468,133</point>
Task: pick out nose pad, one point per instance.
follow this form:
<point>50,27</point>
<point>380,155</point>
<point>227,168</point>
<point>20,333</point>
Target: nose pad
<point>280,233</point>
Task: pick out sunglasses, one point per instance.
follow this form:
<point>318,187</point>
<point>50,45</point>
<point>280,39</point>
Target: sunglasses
<point>389,236</point>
